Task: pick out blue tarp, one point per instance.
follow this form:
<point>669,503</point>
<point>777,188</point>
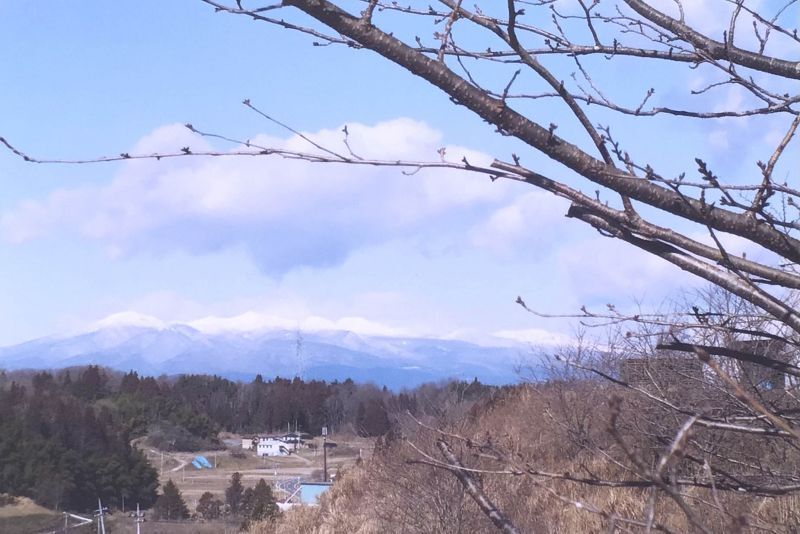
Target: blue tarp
<point>203,462</point>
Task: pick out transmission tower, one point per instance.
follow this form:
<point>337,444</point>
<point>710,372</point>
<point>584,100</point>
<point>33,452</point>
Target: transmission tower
<point>300,354</point>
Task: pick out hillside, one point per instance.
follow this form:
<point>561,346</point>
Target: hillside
<point>522,444</point>
<point>21,515</point>
<point>66,438</point>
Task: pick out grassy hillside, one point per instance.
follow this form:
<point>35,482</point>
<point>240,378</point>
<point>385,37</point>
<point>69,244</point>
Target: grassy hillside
<point>400,489</point>
<point>23,516</point>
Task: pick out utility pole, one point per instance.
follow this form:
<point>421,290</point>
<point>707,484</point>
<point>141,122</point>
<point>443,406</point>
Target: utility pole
<point>100,521</point>
<point>324,453</point>
<point>139,519</point>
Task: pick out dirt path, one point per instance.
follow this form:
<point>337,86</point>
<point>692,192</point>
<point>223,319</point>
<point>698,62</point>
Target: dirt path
<point>181,464</point>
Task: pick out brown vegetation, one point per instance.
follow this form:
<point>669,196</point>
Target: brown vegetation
<point>552,433</point>
<point>20,515</point>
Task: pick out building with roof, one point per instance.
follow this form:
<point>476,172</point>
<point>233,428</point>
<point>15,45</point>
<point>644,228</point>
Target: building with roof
<point>271,447</point>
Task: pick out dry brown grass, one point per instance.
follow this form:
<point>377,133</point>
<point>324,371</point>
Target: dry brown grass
<point>395,493</point>
<point>338,511</point>
<point>125,525</point>
<point>24,516</point>
<point>22,506</point>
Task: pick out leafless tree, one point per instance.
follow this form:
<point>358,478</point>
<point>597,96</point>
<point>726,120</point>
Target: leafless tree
<point>497,59</point>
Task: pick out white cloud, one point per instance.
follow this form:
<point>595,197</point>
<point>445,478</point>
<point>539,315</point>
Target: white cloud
<point>719,138</point>
<point>608,268</point>
<point>252,322</point>
<point>286,213</point>
<point>536,336</point>
<point>247,322</point>
<point>257,322</point>
<point>524,225</point>
<point>356,324</point>
<point>712,17</point>
<point>128,318</point>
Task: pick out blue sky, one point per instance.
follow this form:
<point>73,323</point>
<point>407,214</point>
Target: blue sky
<point>433,254</point>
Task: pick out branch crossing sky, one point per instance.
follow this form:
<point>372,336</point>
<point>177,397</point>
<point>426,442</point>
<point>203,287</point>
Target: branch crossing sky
<point>282,243</point>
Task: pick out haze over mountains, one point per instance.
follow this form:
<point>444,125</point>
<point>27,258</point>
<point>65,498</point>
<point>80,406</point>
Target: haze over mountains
<point>242,347</point>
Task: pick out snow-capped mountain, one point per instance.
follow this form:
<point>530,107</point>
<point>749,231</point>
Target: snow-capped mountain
<point>244,348</point>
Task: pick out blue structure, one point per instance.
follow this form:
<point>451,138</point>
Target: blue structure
<point>200,462</point>
<point>311,491</point>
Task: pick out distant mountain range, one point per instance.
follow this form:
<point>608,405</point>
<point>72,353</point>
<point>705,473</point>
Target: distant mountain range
<point>149,346</point>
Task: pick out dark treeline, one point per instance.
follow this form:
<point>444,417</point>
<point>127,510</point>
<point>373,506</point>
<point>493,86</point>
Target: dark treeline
<point>65,436</point>
<point>63,447</point>
<point>205,405</point>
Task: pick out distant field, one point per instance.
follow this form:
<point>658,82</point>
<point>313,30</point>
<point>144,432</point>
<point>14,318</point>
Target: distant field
<point>27,517</point>
<point>127,526</point>
<point>29,523</point>
<point>305,464</point>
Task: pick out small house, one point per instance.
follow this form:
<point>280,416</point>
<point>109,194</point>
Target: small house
<point>247,443</point>
<point>271,447</point>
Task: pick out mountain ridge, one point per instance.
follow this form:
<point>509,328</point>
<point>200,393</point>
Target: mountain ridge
<point>148,345</point>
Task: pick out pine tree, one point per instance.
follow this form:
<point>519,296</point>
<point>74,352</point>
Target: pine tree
<point>258,504</point>
<point>263,505</point>
<point>208,507</point>
<point>234,493</point>
<point>170,504</point>
<point>129,383</point>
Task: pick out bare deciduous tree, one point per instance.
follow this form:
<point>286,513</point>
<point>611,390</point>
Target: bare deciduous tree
<point>495,59</point>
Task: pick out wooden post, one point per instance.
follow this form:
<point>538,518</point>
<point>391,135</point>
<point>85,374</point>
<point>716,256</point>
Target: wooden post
<point>324,453</point>
<point>324,458</point>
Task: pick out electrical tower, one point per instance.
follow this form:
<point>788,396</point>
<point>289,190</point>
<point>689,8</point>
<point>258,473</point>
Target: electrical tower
<point>300,355</point>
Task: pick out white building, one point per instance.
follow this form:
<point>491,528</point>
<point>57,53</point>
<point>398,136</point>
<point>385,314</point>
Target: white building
<point>271,447</point>
<point>247,443</point>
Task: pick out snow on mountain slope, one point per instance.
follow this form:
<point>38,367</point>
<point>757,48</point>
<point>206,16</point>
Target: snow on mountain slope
<point>248,346</point>
<point>128,319</point>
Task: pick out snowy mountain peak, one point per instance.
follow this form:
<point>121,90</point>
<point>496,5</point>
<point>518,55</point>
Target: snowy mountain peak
<point>128,319</point>
<point>253,322</point>
<point>248,322</point>
<point>252,343</point>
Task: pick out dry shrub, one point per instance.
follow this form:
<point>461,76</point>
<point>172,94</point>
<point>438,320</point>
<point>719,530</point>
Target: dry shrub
<point>557,428</point>
<point>295,520</point>
<point>341,510</point>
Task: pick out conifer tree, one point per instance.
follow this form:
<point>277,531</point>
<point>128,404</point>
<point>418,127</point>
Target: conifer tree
<point>170,504</point>
<point>234,493</point>
<point>209,507</point>
<point>258,503</point>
